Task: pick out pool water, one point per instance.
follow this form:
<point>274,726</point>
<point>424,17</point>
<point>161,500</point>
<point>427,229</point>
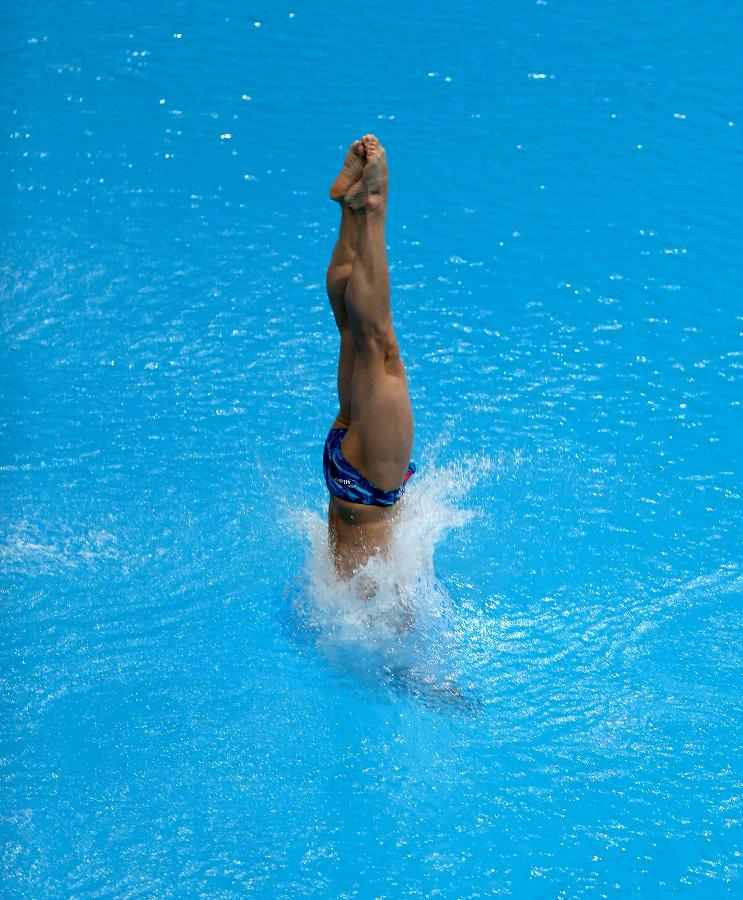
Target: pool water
<point>539,695</point>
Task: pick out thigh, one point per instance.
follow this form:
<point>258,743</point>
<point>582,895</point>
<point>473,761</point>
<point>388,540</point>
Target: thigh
<point>380,439</point>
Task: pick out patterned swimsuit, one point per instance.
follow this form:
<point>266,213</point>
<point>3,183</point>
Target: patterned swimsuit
<point>347,483</point>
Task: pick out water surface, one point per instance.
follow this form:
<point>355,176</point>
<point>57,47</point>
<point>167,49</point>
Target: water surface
<point>552,706</point>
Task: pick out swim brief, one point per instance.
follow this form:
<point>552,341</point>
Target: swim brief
<point>347,483</point>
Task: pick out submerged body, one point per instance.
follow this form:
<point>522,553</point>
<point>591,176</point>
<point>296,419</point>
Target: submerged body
<point>367,454</point>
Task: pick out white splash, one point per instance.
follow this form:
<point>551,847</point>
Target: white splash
<point>393,617</point>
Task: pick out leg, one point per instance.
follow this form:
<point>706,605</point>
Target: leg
<point>380,439</point>
<point>339,272</point>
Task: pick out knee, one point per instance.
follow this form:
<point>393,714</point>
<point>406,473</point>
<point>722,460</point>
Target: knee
<point>378,340</point>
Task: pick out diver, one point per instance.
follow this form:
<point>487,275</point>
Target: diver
<point>366,459</point>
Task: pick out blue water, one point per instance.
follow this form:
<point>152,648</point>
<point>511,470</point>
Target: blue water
<point>540,695</point>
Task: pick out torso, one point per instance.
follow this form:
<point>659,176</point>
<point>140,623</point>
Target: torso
<point>357,532</point>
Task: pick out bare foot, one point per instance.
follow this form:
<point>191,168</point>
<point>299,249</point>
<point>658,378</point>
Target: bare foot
<point>370,192</point>
<point>350,172</point>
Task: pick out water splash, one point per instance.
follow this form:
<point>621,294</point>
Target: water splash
<point>391,622</point>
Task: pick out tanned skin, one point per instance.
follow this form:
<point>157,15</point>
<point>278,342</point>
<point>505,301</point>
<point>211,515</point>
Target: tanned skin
<point>372,385</point>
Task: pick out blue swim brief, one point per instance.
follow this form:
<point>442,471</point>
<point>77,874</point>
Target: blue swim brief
<point>347,483</point>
